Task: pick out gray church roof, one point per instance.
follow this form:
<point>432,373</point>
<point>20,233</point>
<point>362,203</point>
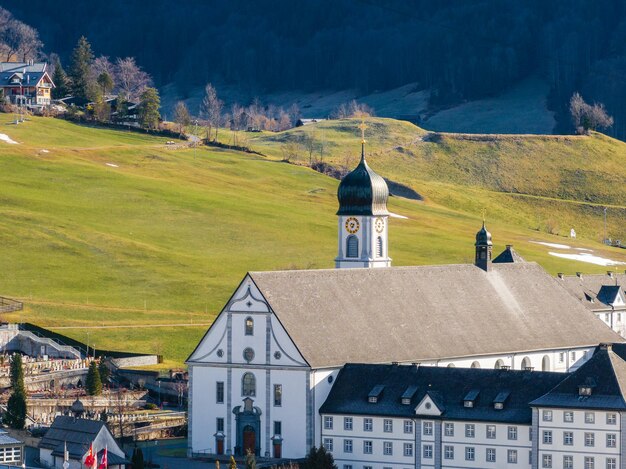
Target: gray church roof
<point>508,255</point>
<point>587,287</point>
<point>447,387</point>
<point>408,314</point>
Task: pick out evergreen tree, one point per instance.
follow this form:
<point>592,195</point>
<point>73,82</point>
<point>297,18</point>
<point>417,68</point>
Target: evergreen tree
<point>17,373</point>
<point>104,416</point>
<point>319,458</point>
<point>93,382</point>
<point>105,82</point>
<point>104,371</point>
<point>137,459</point>
<point>15,415</point>
<point>149,109</point>
<point>61,81</point>
<point>80,71</point>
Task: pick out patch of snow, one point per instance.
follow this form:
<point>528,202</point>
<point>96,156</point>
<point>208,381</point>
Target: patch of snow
<point>7,139</point>
<point>584,249</point>
<point>112,165</point>
<point>44,151</point>
<point>395,215</point>
<point>589,258</point>
<point>552,245</point>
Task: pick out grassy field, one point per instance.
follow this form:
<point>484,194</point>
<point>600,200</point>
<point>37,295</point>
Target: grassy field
<point>119,239</point>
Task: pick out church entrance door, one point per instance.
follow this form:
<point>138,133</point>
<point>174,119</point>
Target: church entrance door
<point>249,439</point>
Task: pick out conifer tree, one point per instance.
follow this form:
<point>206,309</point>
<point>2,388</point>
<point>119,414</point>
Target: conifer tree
<point>93,382</point>
<point>149,109</point>
<point>80,71</point>
<point>104,372</point>
<point>137,459</point>
<point>15,415</point>
<point>61,81</point>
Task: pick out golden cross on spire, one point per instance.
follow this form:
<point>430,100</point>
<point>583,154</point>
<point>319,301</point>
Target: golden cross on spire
<point>484,214</point>
<point>362,126</point>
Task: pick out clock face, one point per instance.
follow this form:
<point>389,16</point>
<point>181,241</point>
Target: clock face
<point>352,225</point>
<point>379,224</point>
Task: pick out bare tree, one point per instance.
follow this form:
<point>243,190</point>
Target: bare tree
<point>131,80</point>
<point>294,114</point>
<point>181,116</point>
<point>102,65</point>
<point>211,108</point>
<point>237,117</point>
<point>586,117</point>
<point>18,41</point>
<point>284,120</point>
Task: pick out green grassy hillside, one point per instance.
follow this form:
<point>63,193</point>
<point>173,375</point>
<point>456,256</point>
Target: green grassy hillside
<point>105,231</point>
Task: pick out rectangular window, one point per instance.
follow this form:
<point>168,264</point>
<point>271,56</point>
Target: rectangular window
<point>367,425</point>
<point>428,452</point>
<point>347,466</point>
<point>219,392</point>
<point>568,438</point>
<point>573,355</point>
<point>470,453</point>
<point>470,430</point>
<point>328,444</point>
<point>428,428</point>
<point>387,448</point>
<point>367,447</point>
<point>512,433</point>
<point>511,456</point>
<point>546,461</point>
<point>388,425</point>
<point>367,467</point>
<point>546,415</point>
<point>328,423</point>
<point>347,423</point>
<point>408,449</point>
<point>347,446</point>
<point>611,440</point>
<point>547,437</point>
<point>561,357</point>
<point>568,417</point>
<point>408,426</point>
<point>278,395</point>
<point>590,439</point>
<point>448,452</point>
<point>491,455</point>
<point>220,424</point>
<point>449,429</point>
<point>278,427</point>
<point>611,463</point>
<point>568,462</point>
<point>611,418</point>
<point>590,417</point>
<point>590,463</point>
<point>491,431</point>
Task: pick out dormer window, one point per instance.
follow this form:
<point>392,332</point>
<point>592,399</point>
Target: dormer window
<point>470,398</point>
<point>584,390</point>
<point>375,394</point>
<point>408,395</point>
<point>500,399</point>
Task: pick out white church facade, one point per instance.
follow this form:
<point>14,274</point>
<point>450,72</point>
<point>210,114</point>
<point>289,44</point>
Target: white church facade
<point>263,370</point>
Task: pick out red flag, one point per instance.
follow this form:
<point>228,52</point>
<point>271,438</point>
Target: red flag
<point>103,462</point>
<point>90,460</point>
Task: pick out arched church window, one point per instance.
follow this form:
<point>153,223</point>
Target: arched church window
<point>352,246</point>
<point>379,246</point>
<point>499,364</point>
<point>526,364</point>
<point>249,326</point>
<point>545,363</point>
<point>248,385</point>
<point>475,364</point>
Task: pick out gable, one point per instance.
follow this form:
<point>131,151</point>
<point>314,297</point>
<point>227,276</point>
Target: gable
<point>247,323</point>
<point>427,406</point>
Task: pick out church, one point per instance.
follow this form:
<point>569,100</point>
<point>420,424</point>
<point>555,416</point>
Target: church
<point>265,367</point>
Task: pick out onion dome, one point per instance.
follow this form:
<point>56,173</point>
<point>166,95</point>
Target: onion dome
<point>77,408</point>
<point>483,237</point>
<point>362,191</point>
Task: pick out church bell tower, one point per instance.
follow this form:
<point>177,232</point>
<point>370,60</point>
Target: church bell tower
<point>484,248</point>
<point>363,217</point>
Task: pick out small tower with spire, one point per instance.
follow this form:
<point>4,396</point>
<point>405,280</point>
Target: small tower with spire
<point>484,247</point>
<point>363,217</point>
